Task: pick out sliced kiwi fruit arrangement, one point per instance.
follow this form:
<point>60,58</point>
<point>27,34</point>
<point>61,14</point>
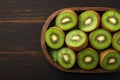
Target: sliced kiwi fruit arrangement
<point>83,40</point>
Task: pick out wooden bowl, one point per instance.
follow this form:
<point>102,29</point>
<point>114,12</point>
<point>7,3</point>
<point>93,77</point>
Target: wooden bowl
<point>49,22</point>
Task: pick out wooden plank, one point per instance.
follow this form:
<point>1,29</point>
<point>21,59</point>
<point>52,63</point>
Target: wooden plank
<point>39,19</point>
<point>22,16</point>
<point>19,59</point>
<point>20,37</point>
<point>16,11</point>
<point>20,31</point>
<point>17,64</point>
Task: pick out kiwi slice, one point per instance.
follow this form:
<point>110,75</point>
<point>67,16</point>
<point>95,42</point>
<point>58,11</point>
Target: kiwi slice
<point>116,41</point>
<point>111,20</point>
<point>54,37</point>
<point>66,58</point>
<point>89,20</point>
<point>66,19</point>
<point>110,59</point>
<point>100,39</point>
<point>87,59</point>
<point>76,40</point>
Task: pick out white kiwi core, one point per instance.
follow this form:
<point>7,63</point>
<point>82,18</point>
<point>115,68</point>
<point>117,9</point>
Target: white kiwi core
<point>88,59</point>
<point>101,38</point>
<point>112,61</point>
<point>75,38</point>
<point>66,58</point>
<point>54,37</point>
<point>112,20</point>
<point>66,20</point>
<point>119,41</point>
<point>88,21</point>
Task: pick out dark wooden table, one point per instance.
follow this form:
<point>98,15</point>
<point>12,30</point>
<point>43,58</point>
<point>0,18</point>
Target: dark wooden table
<point>21,56</point>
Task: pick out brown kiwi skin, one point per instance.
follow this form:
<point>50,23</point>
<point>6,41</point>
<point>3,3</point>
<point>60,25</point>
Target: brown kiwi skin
<point>98,16</point>
<point>104,53</point>
<point>89,48</point>
<point>89,40</point>
<point>114,35</point>
<point>59,30</point>
<point>71,11</point>
<point>103,26</point>
<point>92,50</point>
<point>81,47</point>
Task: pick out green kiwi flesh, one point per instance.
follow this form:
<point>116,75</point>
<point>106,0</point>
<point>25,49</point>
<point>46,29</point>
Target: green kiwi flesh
<point>87,59</point>
<point>89,21</point>
<point>116,41</point>
<point>110,59</point>
<point>111,20</point>
<point>68,34</point>
<point>54,37</point>
<point>100,39</point>
<point>66,58</point>
<point>76,39</point>
<point>66,19</point>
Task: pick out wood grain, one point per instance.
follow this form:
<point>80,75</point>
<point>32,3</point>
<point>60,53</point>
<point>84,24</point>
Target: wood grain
<point>14,59</point>
<point>21,22</point>
<point>20,36</point>
<point>15,65</point>
<point>20,30</point>
<point>15,11</point>
<point>21,16</point>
